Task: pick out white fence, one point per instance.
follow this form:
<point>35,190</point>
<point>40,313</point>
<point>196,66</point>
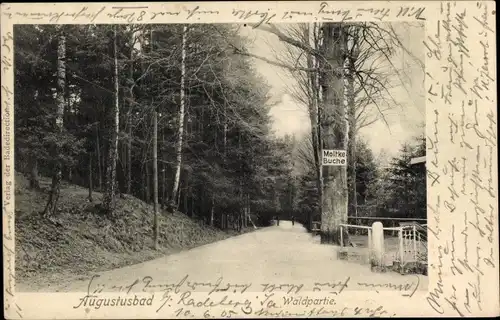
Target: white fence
<point>412,244</point>
<point>409,247</point>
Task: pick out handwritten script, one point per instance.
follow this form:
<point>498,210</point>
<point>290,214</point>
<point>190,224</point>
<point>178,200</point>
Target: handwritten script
<point>220,298</point>
<point>7,49</point>
<point>462,119</point>
<point>319,11</point>
<point>461,167</point>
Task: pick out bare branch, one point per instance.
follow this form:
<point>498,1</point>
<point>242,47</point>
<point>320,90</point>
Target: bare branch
<point>275,63</point>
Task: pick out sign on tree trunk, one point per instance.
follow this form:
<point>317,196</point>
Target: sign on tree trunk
<point>334,157</point>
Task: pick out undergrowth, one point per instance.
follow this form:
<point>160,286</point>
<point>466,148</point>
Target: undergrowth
<point>80,239</point>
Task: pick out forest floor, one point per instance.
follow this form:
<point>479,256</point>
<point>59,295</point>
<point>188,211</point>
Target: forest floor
<point>80,241</point>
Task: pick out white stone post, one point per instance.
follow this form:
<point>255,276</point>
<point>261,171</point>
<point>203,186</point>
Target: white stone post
<point>378,243</point>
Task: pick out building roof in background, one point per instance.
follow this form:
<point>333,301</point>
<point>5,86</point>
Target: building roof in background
<point>417,160</point>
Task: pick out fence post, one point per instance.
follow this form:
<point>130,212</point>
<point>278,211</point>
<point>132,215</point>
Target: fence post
<point>419,248</point>
<point>370,249</point>
<point>401,249</point>
<point>415,243</point>
<point>342,253</point>
<point>341,236</point>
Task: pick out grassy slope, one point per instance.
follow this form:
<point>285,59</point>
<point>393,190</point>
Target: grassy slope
<point>79,240</point>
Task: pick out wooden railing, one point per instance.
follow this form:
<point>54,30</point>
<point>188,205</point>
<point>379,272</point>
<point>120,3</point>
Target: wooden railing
<point>316,227</point>
<point>412,242</point>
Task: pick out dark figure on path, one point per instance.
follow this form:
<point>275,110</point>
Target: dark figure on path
<point>293,220</point>
<point>278,220</point>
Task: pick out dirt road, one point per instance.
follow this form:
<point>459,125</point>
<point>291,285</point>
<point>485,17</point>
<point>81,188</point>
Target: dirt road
<point>278,254</point>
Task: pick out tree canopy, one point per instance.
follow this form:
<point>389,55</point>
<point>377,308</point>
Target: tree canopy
<point>230,158</point>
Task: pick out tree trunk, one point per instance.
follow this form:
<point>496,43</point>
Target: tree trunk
<point>163,173</point>
<point>351,107</point>
<point>224,136</point>
<point>192,202</point>
<point>334,134</point>
<point>247,214</point>
<point>212,212</point>
<point>129,158</point>
<point>51,207</point>
<point>144,174</point>
<point>186,190</point>
<point>156,225</point>
<point>241,201</point>
<point>176,208</point>
<point>164,195</point>
<point>129,118</point>
<point>99,158</point>
<point>148,183</point>
<point>245,208</point>
<point>319,167</point>
<point>109,197</point>
<point>90,178</point>
<point>315,119</point>
<point>34,179</point>
<point>173,198</point>
<point>352,153</point>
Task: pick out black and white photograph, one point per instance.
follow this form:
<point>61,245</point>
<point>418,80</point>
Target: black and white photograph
<point>135,142</point>
<point>180,166</point>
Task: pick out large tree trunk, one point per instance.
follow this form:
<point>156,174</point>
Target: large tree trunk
<point>156,226</point>
<point>334,133</point>
<point>353,199</point>
<point>350,69</point>
<point>178,165</point>
<point>51,207</point>
<point>109,198</point>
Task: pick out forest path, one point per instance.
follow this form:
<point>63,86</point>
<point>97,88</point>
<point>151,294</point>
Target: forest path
<point>277,254</point>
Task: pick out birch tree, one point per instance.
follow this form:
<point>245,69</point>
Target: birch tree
<point>156,225</point>
<point>180,132</point>
<point>222,94</point>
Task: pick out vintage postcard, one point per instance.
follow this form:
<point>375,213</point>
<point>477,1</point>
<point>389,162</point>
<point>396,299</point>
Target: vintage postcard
<point>265,159</point>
